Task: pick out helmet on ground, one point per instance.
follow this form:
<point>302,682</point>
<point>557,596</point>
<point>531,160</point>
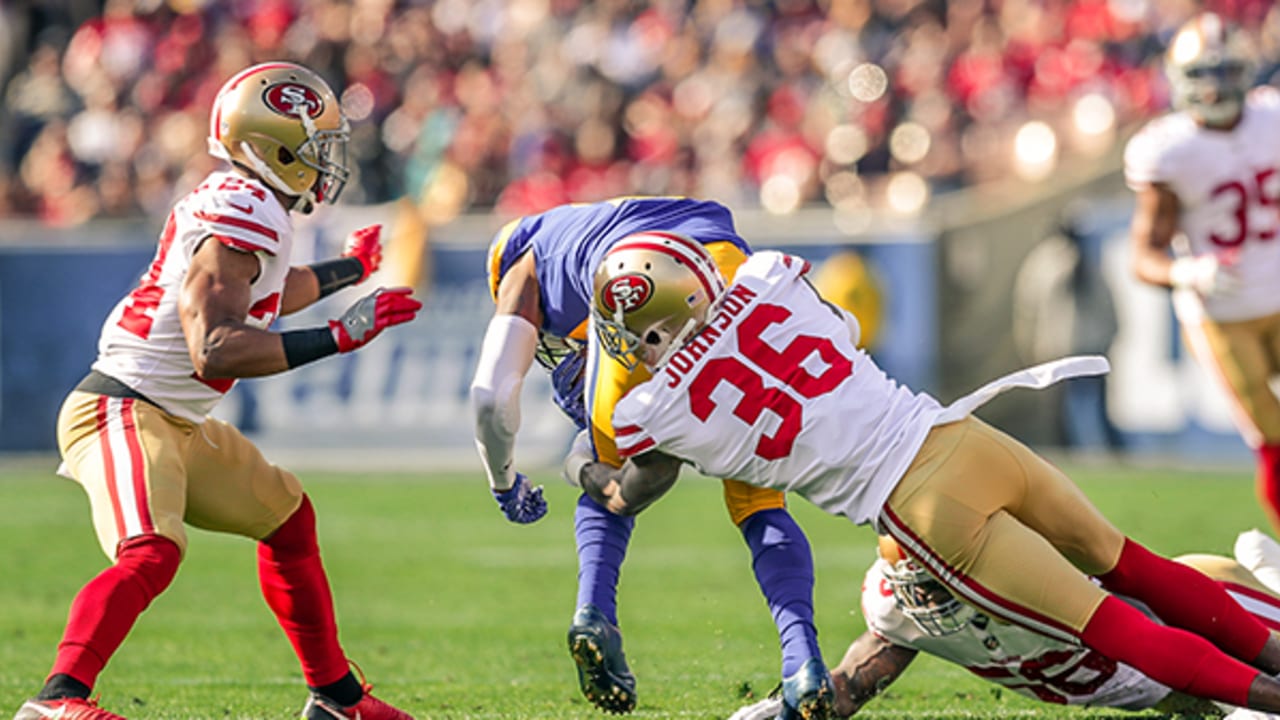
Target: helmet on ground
<point>284,124</point>
<point>652,291</point>
<point>920,596</point>
<point>1210,67</point>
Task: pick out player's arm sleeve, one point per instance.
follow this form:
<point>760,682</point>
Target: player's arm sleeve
<point>506,354</point>
<point>870,665</point>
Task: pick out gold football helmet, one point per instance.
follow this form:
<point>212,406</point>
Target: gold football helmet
<point>920,596</point>
<point>1210,67</point>
<point>284,124</point>
<point>652,291</point>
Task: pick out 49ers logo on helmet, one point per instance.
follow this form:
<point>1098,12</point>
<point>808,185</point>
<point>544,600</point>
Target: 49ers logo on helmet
<point>287,97</point>
<point>628,292</point>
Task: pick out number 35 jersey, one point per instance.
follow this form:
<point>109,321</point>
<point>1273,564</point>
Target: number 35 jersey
<point>773,392</point>
<point>1228,187</point>
<point>142,343</point>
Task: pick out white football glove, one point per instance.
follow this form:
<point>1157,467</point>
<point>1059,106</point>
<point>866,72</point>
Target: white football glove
<point>581,452</point>
<point>1205,274</point>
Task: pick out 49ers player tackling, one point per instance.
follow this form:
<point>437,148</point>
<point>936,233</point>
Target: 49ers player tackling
<point>540,271</point>
<point>135,432</point>
<point>763,382</point>
<point>1207,179</point>
<point>908,612</point>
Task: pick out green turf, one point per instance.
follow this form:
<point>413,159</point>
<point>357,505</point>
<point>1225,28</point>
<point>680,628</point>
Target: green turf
<point>454,613</point>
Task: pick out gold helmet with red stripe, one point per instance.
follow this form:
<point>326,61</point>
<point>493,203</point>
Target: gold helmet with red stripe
<point>1209,64</point>
<point>652,291</point>
<point>920,596</point>
<point>284,124</point>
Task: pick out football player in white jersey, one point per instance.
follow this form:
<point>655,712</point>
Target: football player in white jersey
<point>135,432</point>
<point>908,612</point>
<point>763,381</point>
<point>1207,178</point>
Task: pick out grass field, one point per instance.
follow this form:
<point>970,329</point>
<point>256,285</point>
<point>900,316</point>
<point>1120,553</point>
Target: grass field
<point>454,613</point>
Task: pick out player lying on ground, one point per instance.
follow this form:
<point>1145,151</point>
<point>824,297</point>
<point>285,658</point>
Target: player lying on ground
<point>909,612</point>
<point>763,382</point>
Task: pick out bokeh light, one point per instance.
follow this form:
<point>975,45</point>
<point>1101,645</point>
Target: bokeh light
<point>868,82</point>
<point>846,144</point>
<point>1035,150</point>
<point>906,193</point>
<point>909,143</point>
<point>780,194</point>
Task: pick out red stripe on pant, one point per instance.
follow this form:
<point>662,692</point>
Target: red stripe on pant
<point>108,460</point>
<point>137,468</point>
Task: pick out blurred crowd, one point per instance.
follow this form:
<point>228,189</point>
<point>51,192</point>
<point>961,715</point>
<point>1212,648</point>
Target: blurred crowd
<point>513,106</point>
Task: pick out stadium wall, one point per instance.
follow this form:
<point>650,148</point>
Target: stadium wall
<point>950,303</point>
<point>403,400</point>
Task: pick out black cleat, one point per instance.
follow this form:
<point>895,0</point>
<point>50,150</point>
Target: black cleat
<point>596,646</point>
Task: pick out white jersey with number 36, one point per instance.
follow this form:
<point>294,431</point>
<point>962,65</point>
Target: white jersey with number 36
<point>773,392</point>
<point>142,344</point>
<point>1228,188</point>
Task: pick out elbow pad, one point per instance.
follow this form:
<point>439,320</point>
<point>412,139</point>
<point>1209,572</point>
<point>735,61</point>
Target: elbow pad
<point>505,357</point>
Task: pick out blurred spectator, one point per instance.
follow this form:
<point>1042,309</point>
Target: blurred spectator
<point>521,105</point>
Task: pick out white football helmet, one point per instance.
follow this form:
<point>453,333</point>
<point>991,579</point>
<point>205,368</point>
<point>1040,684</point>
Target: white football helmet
<point>1210,67</point>
<point>920,596</point>
<point>284,124</point>
<point>652,291</point>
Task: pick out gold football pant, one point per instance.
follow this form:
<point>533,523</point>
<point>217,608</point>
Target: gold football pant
<point>608,381</point>
<point>1242,357</point>
<point>148,472</point>
<point>1007,531</point>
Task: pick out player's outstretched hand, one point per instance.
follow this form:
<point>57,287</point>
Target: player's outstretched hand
<point>372,314</point>
<point>522,503</point>
<point>365,245</point>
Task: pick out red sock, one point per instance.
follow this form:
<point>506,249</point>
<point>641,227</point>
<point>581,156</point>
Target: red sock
<point>106,608</point>
<point>297,591</point>
<point>1184,597</point>
<point>1182,660</point>
<point>1267,483</point>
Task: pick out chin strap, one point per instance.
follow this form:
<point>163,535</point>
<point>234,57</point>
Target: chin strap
<point>303,203</point>
<point>677,341</point>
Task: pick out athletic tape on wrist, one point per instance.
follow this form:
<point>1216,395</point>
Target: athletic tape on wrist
<point>333,275</point>
<point>304,346</point>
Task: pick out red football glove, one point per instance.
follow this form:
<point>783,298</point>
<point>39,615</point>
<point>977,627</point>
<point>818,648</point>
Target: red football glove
<point>372,314</point>
<point>365,245</point>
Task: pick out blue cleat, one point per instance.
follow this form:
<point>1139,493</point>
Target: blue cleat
<point>596,646</point>
<point>807,694</point>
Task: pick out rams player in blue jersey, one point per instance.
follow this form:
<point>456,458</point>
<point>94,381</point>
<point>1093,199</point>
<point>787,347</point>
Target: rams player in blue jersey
<point>540,274</point>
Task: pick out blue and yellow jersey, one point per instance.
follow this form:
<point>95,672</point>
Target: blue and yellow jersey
<point>569,241</point>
